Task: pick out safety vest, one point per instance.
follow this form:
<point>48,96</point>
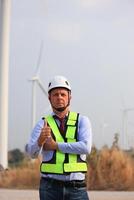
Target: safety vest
<point>62,163</point>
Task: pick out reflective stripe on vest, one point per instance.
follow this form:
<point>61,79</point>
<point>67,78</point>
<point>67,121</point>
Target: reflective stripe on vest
<point>59,167</point>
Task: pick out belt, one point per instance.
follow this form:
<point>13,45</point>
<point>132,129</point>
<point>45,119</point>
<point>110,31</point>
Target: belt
<point>73,183</point>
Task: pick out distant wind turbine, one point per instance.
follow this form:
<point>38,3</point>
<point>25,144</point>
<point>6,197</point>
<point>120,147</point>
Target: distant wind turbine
<point>103,126</point>
<point>36,81</point>
<point>125,110</point>
<point>124,126</point>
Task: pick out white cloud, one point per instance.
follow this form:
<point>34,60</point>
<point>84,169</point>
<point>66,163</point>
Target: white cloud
<point>65,32</point>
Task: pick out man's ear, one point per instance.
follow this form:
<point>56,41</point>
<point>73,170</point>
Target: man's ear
<point>49,97</point>
<point>70,96</point>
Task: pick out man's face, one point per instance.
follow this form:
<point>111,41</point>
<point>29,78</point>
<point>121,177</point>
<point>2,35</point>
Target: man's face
<point>59,97</point>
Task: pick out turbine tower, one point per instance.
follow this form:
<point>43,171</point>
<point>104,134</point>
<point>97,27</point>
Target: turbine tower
<point>125,127</point>
<point>4,65</point>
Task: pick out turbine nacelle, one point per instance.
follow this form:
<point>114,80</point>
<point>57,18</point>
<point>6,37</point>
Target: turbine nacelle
<point>34,78</point>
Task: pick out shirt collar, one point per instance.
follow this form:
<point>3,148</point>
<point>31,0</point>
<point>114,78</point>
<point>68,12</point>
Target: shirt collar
<point>54,114</point>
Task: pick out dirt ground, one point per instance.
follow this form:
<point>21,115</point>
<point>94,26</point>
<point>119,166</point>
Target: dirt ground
<point>6,194</point>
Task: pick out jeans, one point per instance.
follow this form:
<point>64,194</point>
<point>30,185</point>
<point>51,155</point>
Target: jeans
<point>50,191</point>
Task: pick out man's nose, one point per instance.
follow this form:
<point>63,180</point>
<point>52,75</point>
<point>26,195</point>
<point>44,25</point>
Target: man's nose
<point>59,96</point>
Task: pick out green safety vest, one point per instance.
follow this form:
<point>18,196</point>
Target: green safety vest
<point>74,163</point>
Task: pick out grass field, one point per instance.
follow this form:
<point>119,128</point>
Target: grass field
<point>108,169</point>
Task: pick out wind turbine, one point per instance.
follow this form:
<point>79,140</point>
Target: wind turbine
<point>36,81</point>
<point>124,126</point>
<point>104,125</point>
<point>5,6</point>
<point>125,110</point>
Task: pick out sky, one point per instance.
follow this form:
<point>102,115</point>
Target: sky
<point>91,42</point>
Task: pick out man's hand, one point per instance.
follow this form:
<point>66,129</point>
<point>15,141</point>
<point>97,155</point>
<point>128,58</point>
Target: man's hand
<point>45,135</point>
<point>50,144</point>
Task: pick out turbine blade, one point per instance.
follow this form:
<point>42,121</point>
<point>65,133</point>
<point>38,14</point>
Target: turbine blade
<point>123,105</point>
<point>129,109</point>
<point>39,59</point>
<point>42,87</point>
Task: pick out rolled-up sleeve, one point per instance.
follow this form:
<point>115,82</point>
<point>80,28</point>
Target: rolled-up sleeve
<point>32,148</point>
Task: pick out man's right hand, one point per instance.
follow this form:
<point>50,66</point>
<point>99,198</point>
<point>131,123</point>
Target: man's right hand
<point>45,134</point>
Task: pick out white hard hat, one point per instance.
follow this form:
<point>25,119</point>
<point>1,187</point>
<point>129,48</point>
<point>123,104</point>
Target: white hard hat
<point>59,82</point>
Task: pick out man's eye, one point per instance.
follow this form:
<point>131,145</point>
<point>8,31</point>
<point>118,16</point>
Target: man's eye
<point>63,95</point>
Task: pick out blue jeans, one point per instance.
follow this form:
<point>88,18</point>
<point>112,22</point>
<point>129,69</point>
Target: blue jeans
<point>49,190</point>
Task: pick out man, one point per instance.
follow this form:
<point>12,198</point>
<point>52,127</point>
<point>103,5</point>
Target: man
<point>64,138</point>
